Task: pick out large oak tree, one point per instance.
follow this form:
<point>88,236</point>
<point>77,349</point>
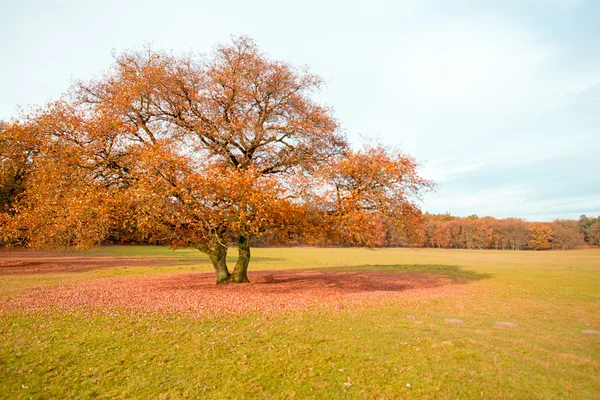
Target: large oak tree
<point>205,151</point>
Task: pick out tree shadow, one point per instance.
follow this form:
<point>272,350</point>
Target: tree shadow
<point>456,274</point>
<point>365,278</point>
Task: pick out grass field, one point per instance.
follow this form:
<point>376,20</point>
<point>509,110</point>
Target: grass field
<point>322,323</point>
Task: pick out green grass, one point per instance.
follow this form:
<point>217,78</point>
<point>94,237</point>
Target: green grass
<point>365,352</point>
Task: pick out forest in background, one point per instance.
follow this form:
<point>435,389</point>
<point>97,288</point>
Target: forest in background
<point>446,231</point>
<point>473,232</point>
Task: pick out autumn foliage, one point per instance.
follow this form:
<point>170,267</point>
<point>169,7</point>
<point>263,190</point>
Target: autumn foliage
<point>446,231</point>
<point>201,152</point>
<point>210,151</point>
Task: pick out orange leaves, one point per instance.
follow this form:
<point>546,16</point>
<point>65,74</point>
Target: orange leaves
<point>178,200</point>
<point>19,145</point>
<point>367,194</point>
<point>238,106</point>
<point>63,201</point>
<point>63,207</point>
<point>194,151</point>
<point>489,233</point>
<point>541,236</point>
<point>205,136</point>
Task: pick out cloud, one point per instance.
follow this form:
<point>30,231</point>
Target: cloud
<point>456,64</point>
<point>539,190</point>
<point>436,170</point>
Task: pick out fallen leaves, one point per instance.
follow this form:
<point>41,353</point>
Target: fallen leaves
<point>269,292</point>
<point>23,262</point>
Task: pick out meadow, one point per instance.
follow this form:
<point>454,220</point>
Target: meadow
<point>324,323</point>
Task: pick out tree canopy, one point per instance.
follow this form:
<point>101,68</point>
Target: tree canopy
<point>198,151</point>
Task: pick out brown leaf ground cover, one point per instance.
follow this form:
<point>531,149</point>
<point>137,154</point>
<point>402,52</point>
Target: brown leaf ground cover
<point>29,263</point>
<point>197,293</point>
<point>381,317</point>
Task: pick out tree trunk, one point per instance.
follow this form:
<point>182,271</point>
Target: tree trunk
<point>218,257</point>
<point>239,274</point>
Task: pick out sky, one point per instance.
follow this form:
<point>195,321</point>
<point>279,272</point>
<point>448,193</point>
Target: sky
<point>499,101</point>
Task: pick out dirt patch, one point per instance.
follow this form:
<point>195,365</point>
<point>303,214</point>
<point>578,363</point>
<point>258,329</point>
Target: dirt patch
<point>270,291</point>
<point>511,324</point>
<point>19,265</point>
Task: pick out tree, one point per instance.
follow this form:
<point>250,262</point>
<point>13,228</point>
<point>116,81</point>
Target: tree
<point>360,191</point>
<point>199,152</point>
<point>443,238</point>
<point>456,228</point>
<point>594,233</point>
<point>19,146</point>
<point>540,236</point>
<point>586,226</point>
<point>62,200</point>
<point>565,234</point>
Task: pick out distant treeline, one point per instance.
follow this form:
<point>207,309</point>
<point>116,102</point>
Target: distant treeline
<point>473,232</point>
<point>446,231</point>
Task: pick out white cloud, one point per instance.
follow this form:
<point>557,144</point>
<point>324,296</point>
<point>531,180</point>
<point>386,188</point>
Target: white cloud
<point>458,64</point>
<point>439,170</point>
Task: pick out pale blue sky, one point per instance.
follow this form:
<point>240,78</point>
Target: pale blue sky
<point>499,100</point>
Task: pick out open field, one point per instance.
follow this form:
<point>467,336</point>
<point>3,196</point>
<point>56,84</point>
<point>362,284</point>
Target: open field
<point>132,322</point>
